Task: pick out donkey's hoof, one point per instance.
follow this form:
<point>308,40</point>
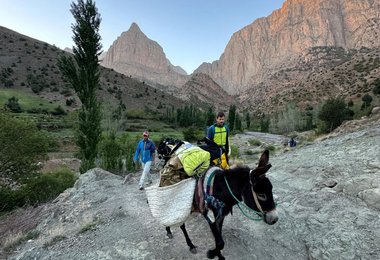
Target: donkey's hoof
<point>193,250</point>
<point>211,254</point>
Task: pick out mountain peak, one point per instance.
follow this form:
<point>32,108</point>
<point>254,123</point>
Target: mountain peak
<point>134,28</point>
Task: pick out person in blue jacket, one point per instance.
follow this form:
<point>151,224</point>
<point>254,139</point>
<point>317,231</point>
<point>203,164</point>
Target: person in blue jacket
<point>146,152</point>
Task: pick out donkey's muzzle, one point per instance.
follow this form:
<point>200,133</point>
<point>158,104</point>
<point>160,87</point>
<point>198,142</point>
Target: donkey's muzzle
<point>271,217</point>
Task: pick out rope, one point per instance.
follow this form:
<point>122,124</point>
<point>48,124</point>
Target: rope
<point>242,206</point>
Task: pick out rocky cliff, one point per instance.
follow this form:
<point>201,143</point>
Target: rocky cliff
<point>134,54</point>
<point>271,43</point>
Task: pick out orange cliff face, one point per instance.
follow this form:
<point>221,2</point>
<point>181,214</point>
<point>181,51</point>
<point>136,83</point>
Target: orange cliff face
<point>270,43</point>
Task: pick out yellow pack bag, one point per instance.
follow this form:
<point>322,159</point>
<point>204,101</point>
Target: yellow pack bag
<point>194,160</point>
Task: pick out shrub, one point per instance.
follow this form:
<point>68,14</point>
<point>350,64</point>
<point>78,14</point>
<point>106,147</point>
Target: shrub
<point>58,111</point>
<point>376,87</point>
<point>254,142</point>
<point>110,151</point>
<point>11,199</point>
<point>234,152</point>
<point>48,186</point>
<point>22,146</point>
<point>367,99</point>
<point>192,134</point>
<point>333,112</point>
<point>36,190</point>
<point>13,105</point>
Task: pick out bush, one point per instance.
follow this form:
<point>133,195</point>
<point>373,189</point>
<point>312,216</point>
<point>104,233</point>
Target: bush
<point>255,142</point>
<point>11,199</point>
<point>334,111</point>
<point>192,133</point>
<point>110,151</point>
<point>376,86</point>
<point>48,186</point>
<point>234,152</point>
<point>22,146</point>
<point>39,189</point>
<point>13,105</point>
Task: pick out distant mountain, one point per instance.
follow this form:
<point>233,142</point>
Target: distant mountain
<point>133,53</point>
<point>269,44</point>
<point>30,66</point>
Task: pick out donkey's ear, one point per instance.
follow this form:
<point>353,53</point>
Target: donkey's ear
<point>259,171</point>
<point>264,159</point>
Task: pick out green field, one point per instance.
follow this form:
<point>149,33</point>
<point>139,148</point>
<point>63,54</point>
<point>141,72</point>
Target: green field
<point>26,101</point>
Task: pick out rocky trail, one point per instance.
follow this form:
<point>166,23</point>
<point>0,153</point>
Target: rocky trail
<point>328,196</point>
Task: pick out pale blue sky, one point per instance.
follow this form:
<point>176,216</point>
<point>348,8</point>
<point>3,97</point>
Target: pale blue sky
<point>189,31</point>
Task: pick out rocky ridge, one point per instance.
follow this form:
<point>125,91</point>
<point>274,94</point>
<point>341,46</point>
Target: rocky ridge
<point>328,195</point>
<point>202,91</point>
<point>262,47</point>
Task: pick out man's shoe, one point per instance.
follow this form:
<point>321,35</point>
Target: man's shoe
<point>141,188</point>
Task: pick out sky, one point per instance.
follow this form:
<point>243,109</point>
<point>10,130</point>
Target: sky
<point>189,31</point>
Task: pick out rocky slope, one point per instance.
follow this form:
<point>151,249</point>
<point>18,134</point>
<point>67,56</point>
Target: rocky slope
<point>29,65</point>
<point>202,91</point>
<point>268,43</point>
<point>328,195</point>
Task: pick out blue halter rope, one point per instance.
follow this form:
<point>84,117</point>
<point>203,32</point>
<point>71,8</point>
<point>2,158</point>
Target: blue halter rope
<point>244,208</point>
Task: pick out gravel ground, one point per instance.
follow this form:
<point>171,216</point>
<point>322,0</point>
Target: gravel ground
<point>328,197</point>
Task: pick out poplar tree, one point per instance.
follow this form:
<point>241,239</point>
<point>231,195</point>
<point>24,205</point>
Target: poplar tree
<point>82,72</point>
<point>231,117</point>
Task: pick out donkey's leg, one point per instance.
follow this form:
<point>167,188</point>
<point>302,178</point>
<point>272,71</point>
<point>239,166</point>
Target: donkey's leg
<point>216,229</point>
<point>169,232</point>
<point>193,249</point>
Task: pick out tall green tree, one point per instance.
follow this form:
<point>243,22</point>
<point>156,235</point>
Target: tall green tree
<point>231,117</point>
<point>248,120</point>
<point>82,73</point>
<point>210,116</point>
<point>238,125</point>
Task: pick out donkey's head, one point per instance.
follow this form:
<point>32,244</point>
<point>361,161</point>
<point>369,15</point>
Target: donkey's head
<point>165,147</point>
<point>259,196</point>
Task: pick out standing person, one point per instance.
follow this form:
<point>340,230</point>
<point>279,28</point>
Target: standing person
<point>146,151</point>
<point>218,133</point>
<point>292,143</point>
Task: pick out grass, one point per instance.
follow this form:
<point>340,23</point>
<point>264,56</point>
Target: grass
<point>26,101</point>
<point>17,239</point>
<point>54,240</point>
<point>255,142</point>
<point>87,227</point>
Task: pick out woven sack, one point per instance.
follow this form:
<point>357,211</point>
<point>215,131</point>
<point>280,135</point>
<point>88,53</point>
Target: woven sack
<point>171,205</point>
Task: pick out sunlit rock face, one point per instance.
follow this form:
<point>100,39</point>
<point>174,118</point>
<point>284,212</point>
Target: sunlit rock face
<point>270,43</point>
<point>135,55</point>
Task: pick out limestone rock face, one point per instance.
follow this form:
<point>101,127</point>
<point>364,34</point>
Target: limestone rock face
<point>265,45</point>
<point>134,54</point>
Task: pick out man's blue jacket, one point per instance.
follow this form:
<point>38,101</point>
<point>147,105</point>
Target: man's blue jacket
<point>146,150</point>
